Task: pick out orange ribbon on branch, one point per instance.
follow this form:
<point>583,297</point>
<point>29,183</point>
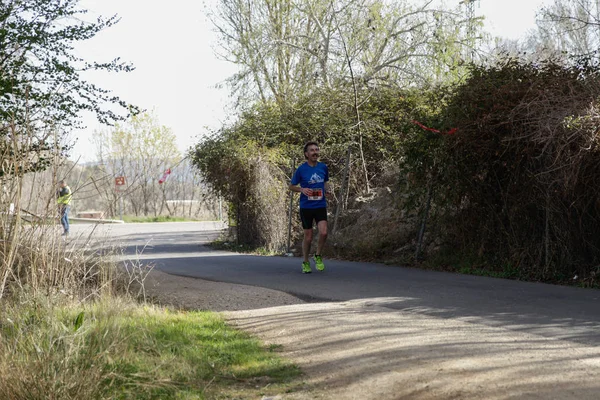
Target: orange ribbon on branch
<point>450,132</point>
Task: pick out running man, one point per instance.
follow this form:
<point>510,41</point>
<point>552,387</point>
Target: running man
<point>312,178</point>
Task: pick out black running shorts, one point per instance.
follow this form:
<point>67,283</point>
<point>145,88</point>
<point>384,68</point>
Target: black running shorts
<point>308,215</point>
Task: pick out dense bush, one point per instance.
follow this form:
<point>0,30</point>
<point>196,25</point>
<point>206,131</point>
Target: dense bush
<point>520,178</point>
<point>250,179</point>
<point>516,182</point>
<point>254,157</point>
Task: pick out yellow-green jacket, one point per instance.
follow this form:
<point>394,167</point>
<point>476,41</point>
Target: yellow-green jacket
<point>64,196</point>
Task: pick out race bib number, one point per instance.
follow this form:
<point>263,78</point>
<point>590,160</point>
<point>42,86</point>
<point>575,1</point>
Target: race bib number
<point>316,194</point>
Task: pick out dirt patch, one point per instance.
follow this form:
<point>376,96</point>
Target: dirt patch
<point>197,294</point>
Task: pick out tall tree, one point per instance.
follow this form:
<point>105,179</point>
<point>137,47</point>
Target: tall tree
<point>41,89</point>
<point>286,48</point>
<point>571,26</point>
<point>140,149</point>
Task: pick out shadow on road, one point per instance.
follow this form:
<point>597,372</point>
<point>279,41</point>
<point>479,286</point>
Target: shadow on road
<point>362,350</point>
<point>548,310</point>
<point>394,332</point>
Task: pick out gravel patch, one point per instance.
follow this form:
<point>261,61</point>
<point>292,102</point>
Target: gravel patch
<point>198,294</point>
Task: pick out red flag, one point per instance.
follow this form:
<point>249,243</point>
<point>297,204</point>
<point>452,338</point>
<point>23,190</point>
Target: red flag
<point>165,176</point>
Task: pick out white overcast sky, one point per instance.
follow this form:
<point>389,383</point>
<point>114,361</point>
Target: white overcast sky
<point>171,44</point>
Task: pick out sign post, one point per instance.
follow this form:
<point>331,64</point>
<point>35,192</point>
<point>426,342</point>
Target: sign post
<point>119,187</point>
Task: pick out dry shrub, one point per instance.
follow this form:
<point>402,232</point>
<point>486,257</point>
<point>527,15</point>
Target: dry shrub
<point>36,259</point>
<point>250,179</point>
<point>378,226</point>
<point>271,211</point>
<point>259,206</point>
<point>521,175</point>
<point>44,358</point>
<point>374,229</point>
<point>53,348</point>
<point>45,264</point>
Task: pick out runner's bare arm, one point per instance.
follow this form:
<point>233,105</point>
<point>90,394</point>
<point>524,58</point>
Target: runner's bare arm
<point>296,188</point>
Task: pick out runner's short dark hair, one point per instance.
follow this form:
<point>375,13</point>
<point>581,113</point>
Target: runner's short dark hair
<point>309,144</point>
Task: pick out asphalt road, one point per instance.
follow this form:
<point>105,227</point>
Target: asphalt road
<point>550,311</point>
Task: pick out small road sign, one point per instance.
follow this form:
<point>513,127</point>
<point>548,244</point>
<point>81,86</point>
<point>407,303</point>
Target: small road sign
<point>119,182</point>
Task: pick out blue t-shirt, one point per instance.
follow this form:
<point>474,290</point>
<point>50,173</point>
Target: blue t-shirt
<point>313,178</point>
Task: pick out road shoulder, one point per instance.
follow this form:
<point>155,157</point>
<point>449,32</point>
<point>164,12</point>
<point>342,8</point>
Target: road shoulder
<point>197,294</point>
<point>364,349</point>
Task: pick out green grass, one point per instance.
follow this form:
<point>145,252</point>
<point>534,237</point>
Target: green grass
<point>160,218</point>
<point>120,350</point>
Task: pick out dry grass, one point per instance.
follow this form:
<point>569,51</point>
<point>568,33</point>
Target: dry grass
<point>53,348</point>
<point>71,328</point>
<point>376,229</point>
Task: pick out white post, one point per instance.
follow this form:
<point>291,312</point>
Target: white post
<point>121,206</point>
<point>220,208</point>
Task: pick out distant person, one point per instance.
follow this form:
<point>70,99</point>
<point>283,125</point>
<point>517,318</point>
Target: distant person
<point>63,199</point>
<point>310,180</point>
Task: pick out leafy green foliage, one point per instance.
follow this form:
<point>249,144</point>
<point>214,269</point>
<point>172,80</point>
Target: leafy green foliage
<point>41,88</point>
<point>272,137</point>
<point>78,322</point>
<point>39,69</point>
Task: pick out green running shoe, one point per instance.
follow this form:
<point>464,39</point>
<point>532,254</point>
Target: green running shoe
<point>319,263</point>
<point>306,267</point>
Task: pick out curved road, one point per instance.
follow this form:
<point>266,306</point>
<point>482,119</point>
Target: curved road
<point>548,310</point>
<point>371,331</point>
